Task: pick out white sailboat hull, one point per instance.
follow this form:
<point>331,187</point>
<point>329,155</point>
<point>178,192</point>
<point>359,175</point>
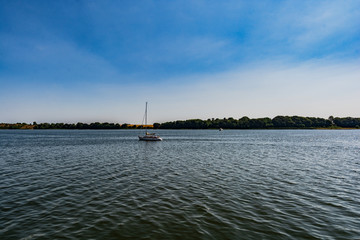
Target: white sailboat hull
<point>150,138</point>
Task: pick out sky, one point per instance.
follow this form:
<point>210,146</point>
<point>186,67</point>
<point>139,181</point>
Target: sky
<point>86,61</point>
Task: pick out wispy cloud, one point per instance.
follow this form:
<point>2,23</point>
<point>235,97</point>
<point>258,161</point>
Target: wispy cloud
<point>328,20</point>
<point>304,30</point>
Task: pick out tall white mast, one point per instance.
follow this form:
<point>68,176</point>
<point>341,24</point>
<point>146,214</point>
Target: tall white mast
<point>146,115</point>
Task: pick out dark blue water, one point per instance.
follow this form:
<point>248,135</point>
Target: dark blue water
<point>205,184</point>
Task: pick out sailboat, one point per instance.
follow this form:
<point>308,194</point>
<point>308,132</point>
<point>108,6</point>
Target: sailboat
<point>149,136</point>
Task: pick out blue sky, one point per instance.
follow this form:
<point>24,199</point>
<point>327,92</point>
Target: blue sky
<point>70,61</point>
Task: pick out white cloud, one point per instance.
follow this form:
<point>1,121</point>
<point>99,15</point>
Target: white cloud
<point>304,24</point>
<point>328,19</point>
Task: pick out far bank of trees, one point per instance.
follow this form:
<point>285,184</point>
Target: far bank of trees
<point>79,125</point>
<point>16,126</point>
<point>278,122</point>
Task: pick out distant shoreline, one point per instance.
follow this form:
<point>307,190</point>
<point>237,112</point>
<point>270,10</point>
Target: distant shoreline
<point>96,125</point>
<point>265,129</point>
<point>278,122</point>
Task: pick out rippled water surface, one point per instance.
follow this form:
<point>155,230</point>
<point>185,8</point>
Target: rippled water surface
<point>196,184</point>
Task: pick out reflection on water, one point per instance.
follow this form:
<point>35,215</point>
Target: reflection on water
<point>199,184</point>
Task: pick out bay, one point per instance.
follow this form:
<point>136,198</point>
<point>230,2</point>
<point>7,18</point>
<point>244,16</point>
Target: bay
<point>196,184</point>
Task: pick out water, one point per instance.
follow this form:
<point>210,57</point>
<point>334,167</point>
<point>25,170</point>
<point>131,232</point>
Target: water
<point>196,184</point>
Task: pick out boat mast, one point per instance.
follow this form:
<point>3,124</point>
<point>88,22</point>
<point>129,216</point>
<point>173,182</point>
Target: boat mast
<point>146,116</point>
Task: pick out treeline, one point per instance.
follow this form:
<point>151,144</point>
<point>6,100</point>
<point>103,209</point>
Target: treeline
<point>278,122</point>
<point>95,125</point>
<point>16,126</point>
<point>79,125</point>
